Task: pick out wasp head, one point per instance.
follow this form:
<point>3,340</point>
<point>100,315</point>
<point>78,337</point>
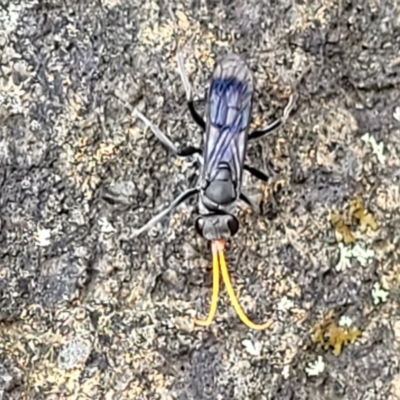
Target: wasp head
<point>217,226</point>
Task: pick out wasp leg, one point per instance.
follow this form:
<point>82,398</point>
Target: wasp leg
<point>182,152</point>
<point>176,203</point>
<point>196,116</point>
<point>185,81</point>
<point>189,151</point>
<point>257,173</point>
<point>250,203</point>
<point>262,133</point>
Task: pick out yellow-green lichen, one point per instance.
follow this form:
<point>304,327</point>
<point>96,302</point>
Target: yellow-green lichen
<point>330,335</point>
<point>357,214</point>
<point>364,218</point>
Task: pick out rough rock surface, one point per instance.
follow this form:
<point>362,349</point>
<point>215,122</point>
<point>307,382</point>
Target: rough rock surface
<point>85,313</point>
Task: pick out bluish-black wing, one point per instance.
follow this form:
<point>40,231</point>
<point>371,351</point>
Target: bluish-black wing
<point>228,117</point>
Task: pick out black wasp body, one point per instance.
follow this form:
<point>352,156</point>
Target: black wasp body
<point>229,105</point>
<point>230,99</point>
<point>226,129</point>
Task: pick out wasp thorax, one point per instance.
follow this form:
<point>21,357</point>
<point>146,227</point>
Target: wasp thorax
<point>217,226</point>
<point>221,189</point>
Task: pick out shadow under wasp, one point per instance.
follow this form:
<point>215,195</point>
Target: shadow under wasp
<point>226,130</point>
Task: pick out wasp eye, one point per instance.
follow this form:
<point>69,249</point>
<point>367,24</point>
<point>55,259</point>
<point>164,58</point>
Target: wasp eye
<point>233,225</point>
<point>199,226</point>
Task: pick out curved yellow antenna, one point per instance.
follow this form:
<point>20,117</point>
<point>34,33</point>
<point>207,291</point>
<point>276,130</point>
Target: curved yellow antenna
<point>231,293</point>
<point>215,289</point>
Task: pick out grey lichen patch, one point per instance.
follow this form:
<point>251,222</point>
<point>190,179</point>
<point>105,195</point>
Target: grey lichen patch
<point>362,254</point>
<point>9,17</point>
<point>316,368</point>
<point>73,353</point>
<point>379,294</point>
<point>344,258</point>
<point>377,148</point>
<point>42,237</point>
<point>359,252</point>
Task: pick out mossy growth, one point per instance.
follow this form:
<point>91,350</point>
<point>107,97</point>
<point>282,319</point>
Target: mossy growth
<point>330,335</point>
<point>342,231</point>
<point>364,218</point>
<point>357,214</point>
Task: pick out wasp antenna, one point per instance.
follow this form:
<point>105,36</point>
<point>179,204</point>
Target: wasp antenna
<point>289,107</point>
<point>184,78</point>
<point>232,296</point>
<point>172,207</point>
<point>215,289</point>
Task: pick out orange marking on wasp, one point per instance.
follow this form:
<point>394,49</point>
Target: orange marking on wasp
<point>219,264</point>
